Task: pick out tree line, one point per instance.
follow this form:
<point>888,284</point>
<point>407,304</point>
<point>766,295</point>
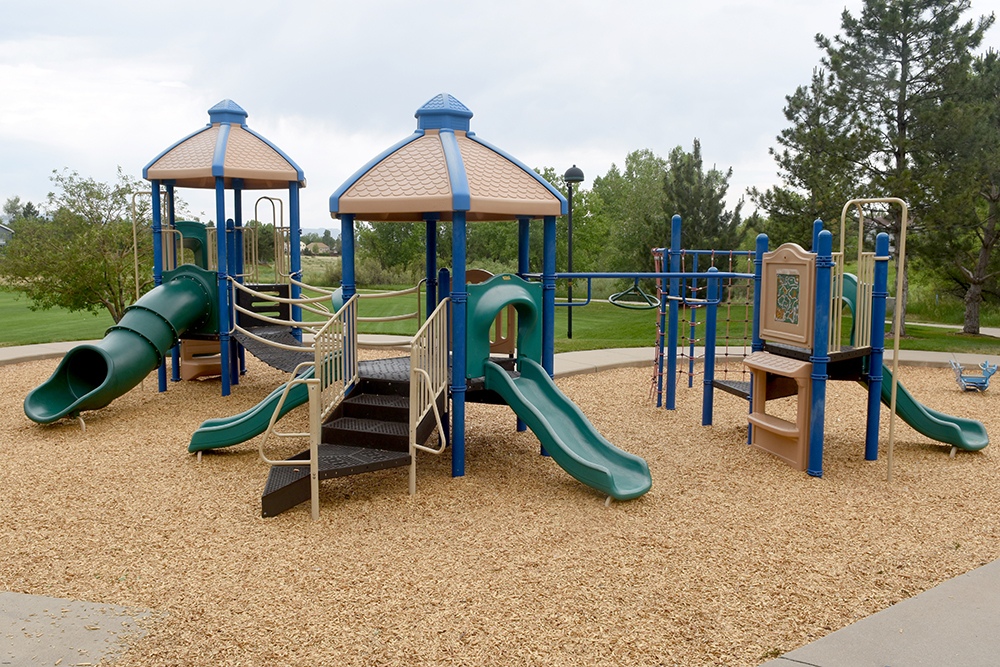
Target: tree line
<point>900,104</point>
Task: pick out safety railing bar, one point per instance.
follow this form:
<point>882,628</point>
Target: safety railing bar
<point>307,325</point>
<point>278,299</point>
<point>282,346</point>
<point>391,318</point>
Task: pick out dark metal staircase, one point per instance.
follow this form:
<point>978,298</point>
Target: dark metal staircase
<point>368,431</point>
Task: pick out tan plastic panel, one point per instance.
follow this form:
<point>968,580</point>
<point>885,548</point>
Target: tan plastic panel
<point>788,262</point>
<point>789,441</point>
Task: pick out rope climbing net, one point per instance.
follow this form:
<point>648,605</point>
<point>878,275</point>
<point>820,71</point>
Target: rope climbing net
<point>734,323</point>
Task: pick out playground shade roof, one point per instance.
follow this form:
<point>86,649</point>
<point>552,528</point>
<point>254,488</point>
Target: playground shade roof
<point>225,147</point>
<point>442,168</point>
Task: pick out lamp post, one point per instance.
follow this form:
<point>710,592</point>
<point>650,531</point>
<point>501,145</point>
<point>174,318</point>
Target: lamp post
<point>573,175</point>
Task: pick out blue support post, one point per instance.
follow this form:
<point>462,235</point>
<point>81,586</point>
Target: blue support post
<point>234,365</point>
<point>817,228</point>
<point>820,354</point>
<point>756,344</point>
<point>675,267</point>
<point>347,256</point>
<point>240,264</point>
<point>295,236</point>
<point>880,290</point>
<point>444,291</point>
<point>459,298</point>
<point>175,351</point>
<point>708,400</point>
<point>523,246</point>
<point>548,293</point>
<point>158,264</point>
<point>523,267</point>
<point>431,222</point>
<point>661,339</point>
<point>223,262</point>
<point>694,319</point>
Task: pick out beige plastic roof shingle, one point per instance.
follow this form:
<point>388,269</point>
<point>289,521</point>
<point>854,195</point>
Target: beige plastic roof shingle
<point>195,162</point>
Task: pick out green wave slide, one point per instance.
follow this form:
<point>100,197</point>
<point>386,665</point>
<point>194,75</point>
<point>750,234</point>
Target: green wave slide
<point>227,431</point>
<point>567,435</point>
<point>90,376</point>
<point>967,434</point>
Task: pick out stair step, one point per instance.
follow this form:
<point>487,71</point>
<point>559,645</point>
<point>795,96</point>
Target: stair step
<point>372,433</point>
<point>378,406</point>
<point>287,486</point>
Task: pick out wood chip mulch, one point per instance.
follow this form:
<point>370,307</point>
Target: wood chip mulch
<point>731,559</point>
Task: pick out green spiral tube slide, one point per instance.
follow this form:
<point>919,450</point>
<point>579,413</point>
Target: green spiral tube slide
<point>91,376</point>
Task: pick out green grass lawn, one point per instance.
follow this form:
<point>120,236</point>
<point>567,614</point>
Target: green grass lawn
<point>598,325</point>
<point>22,326</point>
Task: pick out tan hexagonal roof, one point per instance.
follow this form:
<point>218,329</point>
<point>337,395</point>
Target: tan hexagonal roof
<point>441,169</point>
<point>227,148</point>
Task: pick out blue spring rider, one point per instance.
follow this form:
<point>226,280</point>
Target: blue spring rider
<point>973,382</point>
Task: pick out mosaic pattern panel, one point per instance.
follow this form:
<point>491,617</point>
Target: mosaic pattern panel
<point>787,301</point>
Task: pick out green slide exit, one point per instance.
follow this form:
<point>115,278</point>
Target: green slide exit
<point>89,377</point>
<point>567,434</point>
<point>960,432</point>
<point>967,434</point>
<point>226,431</point>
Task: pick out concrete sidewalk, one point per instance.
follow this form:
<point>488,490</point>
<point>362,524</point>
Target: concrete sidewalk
<point>956,624</point>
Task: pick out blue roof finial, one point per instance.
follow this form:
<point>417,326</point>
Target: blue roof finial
<point>227,111</point>
<point>443,111</point>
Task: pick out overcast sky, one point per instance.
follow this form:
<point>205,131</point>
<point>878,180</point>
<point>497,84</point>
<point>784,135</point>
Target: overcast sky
<point>94,85</point>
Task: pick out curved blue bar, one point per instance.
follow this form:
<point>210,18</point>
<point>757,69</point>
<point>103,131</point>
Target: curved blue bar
<point>219,157</point>
<point>461,196</point>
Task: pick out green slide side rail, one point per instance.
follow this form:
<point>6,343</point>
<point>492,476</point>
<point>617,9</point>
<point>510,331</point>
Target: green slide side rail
<point>967,434</point>
<point>567,434</point>
<point>228,431</point>
<point>89,377</point>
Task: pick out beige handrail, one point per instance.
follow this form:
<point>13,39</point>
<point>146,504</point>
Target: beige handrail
<point>899,298</point>
<point>428,380</point>
<point>335,371</point>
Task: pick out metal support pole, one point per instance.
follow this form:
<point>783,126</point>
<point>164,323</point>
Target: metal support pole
<point>459,298</point>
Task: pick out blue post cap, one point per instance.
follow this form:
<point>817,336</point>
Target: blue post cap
<point>227,111</point>
<point>443,111</point>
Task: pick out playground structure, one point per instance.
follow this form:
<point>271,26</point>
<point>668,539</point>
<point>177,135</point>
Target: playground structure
<point>367,416</point>
<point>798,346</point>
<point>364,416</point>
<point>973,382</point>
